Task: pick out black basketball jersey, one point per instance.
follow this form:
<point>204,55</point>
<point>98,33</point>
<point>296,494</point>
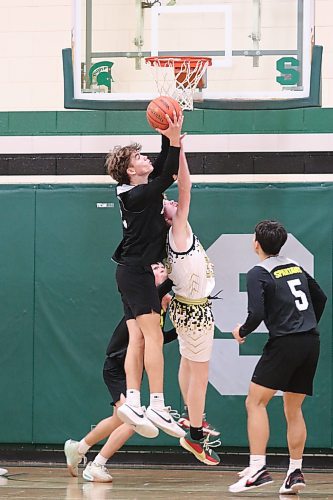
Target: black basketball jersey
<point>284,296</point>
<point>141,207</point>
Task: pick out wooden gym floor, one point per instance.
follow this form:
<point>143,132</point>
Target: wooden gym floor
<point>47,482</point>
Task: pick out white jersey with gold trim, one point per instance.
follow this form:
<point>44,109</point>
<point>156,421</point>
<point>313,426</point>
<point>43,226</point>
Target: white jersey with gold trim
<point>191,271</point>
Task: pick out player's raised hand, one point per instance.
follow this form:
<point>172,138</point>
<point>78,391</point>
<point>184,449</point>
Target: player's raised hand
<point>173,132</point>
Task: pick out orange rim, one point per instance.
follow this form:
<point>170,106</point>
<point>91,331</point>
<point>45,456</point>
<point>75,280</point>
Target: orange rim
<point>178,61</point>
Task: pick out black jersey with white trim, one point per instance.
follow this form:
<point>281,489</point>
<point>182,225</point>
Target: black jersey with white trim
<point>141,207</point>
<point>284,296</point>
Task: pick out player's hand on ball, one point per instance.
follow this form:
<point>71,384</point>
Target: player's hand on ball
<point>173,132</point>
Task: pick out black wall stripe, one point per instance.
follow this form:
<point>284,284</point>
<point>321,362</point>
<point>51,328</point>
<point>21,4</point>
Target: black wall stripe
<point>200,163</point>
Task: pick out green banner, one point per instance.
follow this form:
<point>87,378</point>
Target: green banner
<point>61,305</point>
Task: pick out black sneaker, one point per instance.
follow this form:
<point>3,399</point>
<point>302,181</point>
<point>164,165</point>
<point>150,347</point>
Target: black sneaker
<point>294,483</point>
<point>250,480</point>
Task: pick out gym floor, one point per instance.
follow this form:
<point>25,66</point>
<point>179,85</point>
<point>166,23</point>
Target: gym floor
<point>53,482</point>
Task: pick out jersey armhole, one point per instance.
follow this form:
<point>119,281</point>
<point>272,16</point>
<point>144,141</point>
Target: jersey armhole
<point>189,241</point>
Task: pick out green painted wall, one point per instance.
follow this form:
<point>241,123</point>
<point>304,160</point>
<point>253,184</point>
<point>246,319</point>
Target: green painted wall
<point>60,305</point>
<point>307,120</point>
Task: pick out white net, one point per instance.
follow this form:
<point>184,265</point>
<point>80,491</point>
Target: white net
<point>179,77</point>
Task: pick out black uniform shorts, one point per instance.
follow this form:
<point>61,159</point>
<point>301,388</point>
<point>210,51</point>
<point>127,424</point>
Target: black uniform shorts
<point>138,290</point>
<point>115,377</point>
<point>289,363</point>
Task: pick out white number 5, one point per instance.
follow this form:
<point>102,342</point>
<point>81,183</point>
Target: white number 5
<point>301,300</point>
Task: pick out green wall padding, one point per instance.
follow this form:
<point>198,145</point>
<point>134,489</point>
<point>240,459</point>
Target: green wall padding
<point>76,308</point>
<point>199,121</point>
<point>60,305</point>
<point>17,229</point>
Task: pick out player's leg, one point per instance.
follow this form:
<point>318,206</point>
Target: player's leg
<point>96,470</point>
<point>115,380</point>
<point>296,437</point>
<point>196,394</point>
<point>141,301</point>
<point>183,380</point>
<point>130,410</point>
<point>256,474</point>
<point>296,428</point>
<point>134,357</point>
<point>153,350</point>
<point>75,451</point>
<point>157,411</point>
<point>131,284</point>
<point>102,430</point>
<point>195,345</point>
<point>304,351</point>
<point>195,440</point>
<point>257,417</point>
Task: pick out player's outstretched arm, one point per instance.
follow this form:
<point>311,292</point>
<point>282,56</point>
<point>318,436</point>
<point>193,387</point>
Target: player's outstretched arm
<point>170,137</point>
<point>179,224</point>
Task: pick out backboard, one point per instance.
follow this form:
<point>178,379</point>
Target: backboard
<point>261,50</point>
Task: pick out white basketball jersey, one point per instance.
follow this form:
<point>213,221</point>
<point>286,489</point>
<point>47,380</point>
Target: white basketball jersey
<point>191,271</point>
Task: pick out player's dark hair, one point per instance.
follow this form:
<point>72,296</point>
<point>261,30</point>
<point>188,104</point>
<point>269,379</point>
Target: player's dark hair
<point>271,236</point>
<point>118,161</point>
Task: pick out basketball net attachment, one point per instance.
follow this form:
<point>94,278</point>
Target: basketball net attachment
<point>179,77</point>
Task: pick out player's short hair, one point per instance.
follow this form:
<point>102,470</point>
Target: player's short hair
<point>118,161</point>
<point>271,236</point>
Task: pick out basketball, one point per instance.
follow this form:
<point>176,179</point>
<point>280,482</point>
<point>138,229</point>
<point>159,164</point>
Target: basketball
<point>158,108</point>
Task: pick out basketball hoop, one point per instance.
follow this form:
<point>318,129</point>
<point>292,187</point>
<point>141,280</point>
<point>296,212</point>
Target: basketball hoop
<point>179,77</point>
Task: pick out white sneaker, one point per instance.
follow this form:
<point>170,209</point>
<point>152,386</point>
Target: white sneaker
<point>251,479</point>
<point>136,417</point>
<point>163,419</point>
<point>3,472</point>
<point>96,472</point>
<point>73,457</point>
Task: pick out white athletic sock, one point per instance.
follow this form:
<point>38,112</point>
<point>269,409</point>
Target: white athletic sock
<point>293,465</point>
<point>100,460</point>
<point>257,462</point>
<point>83,447</point>
<point>133,397</point>
<point>157,400</point>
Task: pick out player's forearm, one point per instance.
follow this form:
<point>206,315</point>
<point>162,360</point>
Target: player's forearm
<point>139,197</point>
<point>160,160</point>
<point>184,188</point>
<point>252,322</point>
<point>164,288</point>
<point>184,179</point>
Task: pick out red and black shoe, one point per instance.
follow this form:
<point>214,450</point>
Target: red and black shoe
<point>201,449</point>
<point>294,483</point>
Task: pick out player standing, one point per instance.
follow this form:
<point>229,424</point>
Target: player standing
<point>290,302</point>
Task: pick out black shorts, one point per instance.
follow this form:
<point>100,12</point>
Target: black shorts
<point>289,363</point>
<point>115,377</point>
<point>138,290</point>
